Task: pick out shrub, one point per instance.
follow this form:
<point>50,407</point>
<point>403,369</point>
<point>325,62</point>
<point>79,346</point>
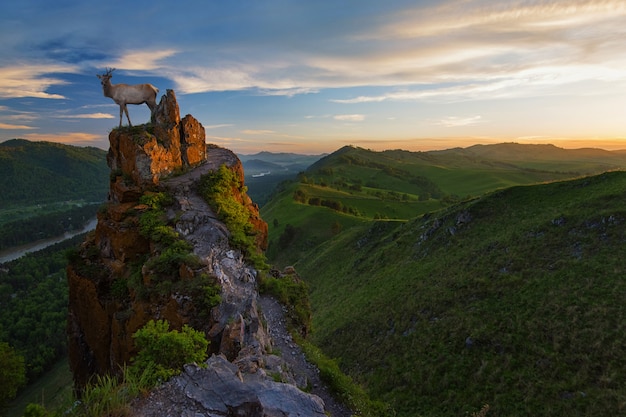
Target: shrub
<point>219,188</point>
<point>167,351</point>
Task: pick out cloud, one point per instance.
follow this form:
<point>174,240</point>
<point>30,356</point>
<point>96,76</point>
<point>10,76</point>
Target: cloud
<point>199,80</point>
<point>71,138</point>
<point>349,117</point>
<point>31,80</point>
<point>257,132</point>
<point>453,121</point>
<point>16,127</point>
<point>88,116</point>
<point>142,60</point>
<point>218,126</point>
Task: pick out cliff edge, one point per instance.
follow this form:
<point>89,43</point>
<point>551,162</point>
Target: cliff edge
<point>127,273</point>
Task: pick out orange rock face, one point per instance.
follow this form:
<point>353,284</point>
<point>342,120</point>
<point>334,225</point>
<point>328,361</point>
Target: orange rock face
<point>107,280</point>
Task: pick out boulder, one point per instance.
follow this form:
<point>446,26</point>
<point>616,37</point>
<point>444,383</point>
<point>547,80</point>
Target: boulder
<point>221,390</point>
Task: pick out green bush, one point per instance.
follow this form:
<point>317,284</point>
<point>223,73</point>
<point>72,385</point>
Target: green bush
<point>217,189</point>
<point>205,291</point>
<point>167,351</point>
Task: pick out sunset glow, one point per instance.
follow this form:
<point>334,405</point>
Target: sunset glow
<point>310,77</point>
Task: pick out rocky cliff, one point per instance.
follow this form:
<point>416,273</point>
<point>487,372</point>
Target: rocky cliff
<point>122,277</point>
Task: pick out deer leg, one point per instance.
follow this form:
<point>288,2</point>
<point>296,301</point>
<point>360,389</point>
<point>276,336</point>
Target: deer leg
<point>127,116</point>
<point>152,107</point>
<point>121,110</point>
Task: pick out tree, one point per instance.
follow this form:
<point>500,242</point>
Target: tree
<point>12,373</point>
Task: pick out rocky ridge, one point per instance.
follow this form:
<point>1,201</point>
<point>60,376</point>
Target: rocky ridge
<point>104,312</point>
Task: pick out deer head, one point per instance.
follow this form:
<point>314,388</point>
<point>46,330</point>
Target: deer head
<point>104,78</point>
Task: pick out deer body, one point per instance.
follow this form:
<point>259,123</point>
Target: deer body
<point>124,94</point>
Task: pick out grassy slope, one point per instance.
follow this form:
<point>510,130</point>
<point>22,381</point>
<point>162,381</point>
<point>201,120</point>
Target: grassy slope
<point>46,172</point>
<point>521,307</point>
<point>456,172</point>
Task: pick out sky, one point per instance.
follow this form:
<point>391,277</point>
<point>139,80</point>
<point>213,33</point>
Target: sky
<point>312,76</point>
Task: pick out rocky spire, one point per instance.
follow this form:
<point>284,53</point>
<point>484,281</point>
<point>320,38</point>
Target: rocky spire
<point>113,289</point>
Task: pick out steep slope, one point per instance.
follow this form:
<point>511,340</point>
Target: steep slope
<point>162,252</point>
<point>514,300</point>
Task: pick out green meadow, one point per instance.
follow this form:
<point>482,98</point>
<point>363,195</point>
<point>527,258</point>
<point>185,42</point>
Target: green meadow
<point>510,297</point>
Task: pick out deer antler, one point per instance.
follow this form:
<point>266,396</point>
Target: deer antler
<point>109,71</point>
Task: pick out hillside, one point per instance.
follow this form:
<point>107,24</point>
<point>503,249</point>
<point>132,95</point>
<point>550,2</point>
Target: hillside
<point>513,299</point>
<point>48,189</point>
<point>43,172</point>
<point>265,170</point>
<point>355,185</point>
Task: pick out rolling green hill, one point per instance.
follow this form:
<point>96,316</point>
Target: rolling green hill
<point>355,185</point>
<point>438,306</point>
<point>44,172</point>
<point>48,189</point>
<point>514,299</point>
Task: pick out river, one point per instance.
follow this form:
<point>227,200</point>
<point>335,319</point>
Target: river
<point>15,252</point>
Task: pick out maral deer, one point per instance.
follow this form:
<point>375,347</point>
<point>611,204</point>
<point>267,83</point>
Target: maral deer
<point>124,94</point>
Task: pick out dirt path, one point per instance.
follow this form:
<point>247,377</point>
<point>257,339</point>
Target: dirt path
<point>275,315</point>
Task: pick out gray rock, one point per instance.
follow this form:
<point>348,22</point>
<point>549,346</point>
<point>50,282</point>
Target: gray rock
<point>221,390</point>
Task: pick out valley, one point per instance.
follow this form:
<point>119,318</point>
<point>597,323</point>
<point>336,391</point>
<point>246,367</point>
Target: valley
<point>444,281</point>
<point>508,296</point>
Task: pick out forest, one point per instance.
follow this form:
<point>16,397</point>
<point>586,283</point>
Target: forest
<point>33,305</point>
<point>47,225</point>
<point>45,172</point>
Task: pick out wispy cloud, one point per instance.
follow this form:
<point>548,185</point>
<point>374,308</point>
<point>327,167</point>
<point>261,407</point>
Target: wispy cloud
<point>32,80</point>
<point>141,60</point>
<point>71,138</point>
<point>349,117</point>
<point>257,132</point>
<point>15,127</point>
<point>218,126</point>
<point>453,121</point>
<point>88,116</point>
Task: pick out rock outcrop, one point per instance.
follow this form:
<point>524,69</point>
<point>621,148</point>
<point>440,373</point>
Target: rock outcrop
<point>222,390</point>
<point>114,290</point>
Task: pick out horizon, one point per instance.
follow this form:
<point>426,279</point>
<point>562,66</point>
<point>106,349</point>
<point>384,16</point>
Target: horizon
<point>309,78</point>
<point>321,154</point>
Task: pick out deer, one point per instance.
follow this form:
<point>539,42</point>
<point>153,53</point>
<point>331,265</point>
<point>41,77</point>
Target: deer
<point>124,94</point>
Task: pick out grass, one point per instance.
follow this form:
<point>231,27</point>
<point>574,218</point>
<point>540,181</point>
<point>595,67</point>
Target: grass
<point>512,300</point>
<point>51,390</point>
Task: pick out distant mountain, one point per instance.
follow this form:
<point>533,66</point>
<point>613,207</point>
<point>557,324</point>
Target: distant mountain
<point>281,158</point>
<point>44,172</point>
<point>253,165</point>
<point>291,162</point>
<point>265,170</point>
